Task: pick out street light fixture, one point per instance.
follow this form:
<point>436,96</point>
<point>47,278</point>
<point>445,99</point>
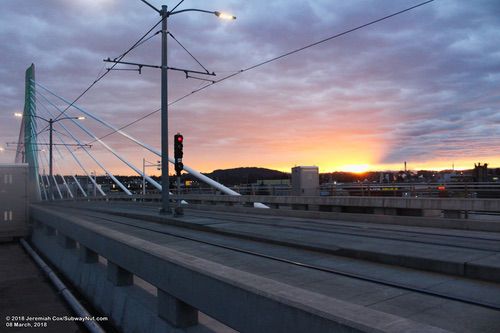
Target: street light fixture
<point>225,16</point>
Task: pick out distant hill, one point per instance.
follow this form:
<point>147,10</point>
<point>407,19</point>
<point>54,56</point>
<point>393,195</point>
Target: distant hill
<point>250,175</point>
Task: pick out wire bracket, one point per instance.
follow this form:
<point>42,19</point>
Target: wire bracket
<point>140,66</point>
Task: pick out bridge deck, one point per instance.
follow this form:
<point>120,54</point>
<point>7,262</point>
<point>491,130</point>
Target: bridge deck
<point>474,254</point>
<point>433,276</point>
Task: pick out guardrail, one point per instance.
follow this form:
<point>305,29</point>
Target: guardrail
<point>401,206</point>
<point>442,190</point>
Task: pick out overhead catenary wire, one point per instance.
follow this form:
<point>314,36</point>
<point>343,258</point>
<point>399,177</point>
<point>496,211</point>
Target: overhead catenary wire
<point>175,7</point>
<point>142,42</point>
<point>101,74</point>
<point>265,62</point>
<point>100,77</point>
<point>151,6</point>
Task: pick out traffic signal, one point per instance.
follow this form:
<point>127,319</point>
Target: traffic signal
<point>178,145</point>
<point>178,153</point>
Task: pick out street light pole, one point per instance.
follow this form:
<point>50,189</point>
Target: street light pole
<point>164,13</point>
<point>165,182</point>
<point>51,130</point>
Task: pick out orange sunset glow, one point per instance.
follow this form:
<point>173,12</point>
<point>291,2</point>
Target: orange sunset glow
<point>368,100</point>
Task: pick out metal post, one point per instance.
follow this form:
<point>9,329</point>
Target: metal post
<point>95,183</point>
<point>143,176</point>
<point>51,122</point>
<point>165,182</point>
<point>178,210</point>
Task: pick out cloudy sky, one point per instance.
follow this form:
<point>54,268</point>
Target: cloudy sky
<point>422,87</point>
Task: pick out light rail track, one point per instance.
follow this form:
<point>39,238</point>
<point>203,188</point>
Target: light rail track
<point>98,216</point>
<point>485,244</point>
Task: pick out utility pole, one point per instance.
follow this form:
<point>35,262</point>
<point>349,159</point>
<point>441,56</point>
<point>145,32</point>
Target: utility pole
<point>165,181</point>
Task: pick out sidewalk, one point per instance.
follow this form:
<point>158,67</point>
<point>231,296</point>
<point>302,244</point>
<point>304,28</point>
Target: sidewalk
<point>26,292</point>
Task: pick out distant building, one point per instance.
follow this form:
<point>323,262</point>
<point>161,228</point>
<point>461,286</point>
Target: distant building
<point>14,199</point>
<point>305,180</point>
<point>480,172</point>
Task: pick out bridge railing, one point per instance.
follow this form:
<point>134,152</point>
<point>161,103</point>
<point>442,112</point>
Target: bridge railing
<point>442,190</point>
<point>467,208</point>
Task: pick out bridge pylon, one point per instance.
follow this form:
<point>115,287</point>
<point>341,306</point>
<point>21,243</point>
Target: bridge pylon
<point>27,150</point>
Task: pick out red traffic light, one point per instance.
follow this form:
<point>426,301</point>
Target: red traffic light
<point>180,138</point>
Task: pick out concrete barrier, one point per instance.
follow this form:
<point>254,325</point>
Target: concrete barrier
<point>450,208</point>
<point>186,284</point>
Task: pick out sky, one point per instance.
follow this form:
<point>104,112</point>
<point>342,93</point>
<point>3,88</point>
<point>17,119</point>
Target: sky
<point>421,87</point>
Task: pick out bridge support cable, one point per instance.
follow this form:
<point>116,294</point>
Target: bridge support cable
<point>79,186</point>
<point>92,180</point>
<point>81,166</point>
<point>66,184</point>
<point>77,182</point>
<point>46,160</point>
<point>193,172</point>
<point>58,171</point>
<point>84,170</point>
<point>46,185</point>
<point>111,150</point>
<point>55,179</point>
<point>42,187</point>
<point>115,180</point>
<point>83,128</point>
